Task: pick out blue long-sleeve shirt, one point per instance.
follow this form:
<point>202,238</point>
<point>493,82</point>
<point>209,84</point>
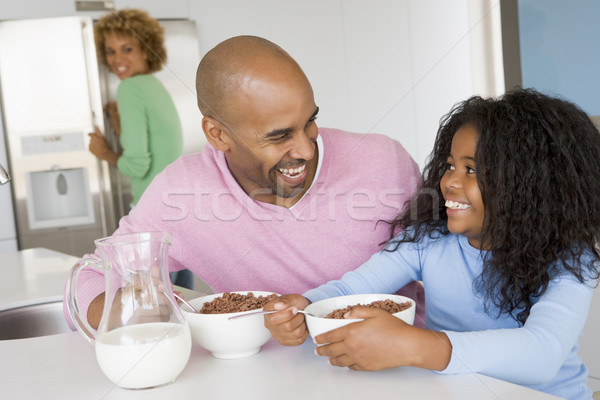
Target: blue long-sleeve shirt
<point>541,354</point>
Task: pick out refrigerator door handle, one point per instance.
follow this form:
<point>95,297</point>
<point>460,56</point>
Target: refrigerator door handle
<point>4,176</point>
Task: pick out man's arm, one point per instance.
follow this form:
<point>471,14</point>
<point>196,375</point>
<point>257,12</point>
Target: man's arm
<point>95,311</point>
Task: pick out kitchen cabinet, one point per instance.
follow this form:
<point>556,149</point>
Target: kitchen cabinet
<point>172,9</point>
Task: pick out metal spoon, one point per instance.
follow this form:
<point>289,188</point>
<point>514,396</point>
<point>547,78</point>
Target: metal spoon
<point>184,301</point>
<point>263,312</point>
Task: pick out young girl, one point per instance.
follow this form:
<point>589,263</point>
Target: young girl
<point>503,236</point>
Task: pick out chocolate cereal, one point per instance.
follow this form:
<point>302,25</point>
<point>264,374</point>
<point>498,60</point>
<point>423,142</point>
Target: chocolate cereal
<point>387,305</point>
<point>235,302</point>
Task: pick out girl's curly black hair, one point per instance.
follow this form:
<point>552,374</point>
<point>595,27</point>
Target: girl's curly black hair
<point>538,168</point>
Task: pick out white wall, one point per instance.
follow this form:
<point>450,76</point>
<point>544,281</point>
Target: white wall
<point>387,66</point>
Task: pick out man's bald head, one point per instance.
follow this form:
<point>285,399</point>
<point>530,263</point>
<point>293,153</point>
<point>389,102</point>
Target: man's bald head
<point>228,65</point>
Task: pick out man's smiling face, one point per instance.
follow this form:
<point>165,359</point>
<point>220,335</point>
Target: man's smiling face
<point>273,155</point>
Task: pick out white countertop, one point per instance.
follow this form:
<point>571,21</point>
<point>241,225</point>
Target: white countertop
<point>33,276</point>
<point>37,276</point>
<point>63,366</point>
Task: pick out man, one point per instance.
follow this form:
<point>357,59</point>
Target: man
<point>273,202</point>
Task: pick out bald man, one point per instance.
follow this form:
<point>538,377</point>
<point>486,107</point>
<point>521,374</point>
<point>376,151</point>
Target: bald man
<point>259,110</point>
<point>273,202</point>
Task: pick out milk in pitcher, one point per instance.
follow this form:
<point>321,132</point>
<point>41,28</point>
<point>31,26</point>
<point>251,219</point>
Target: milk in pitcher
<point>144,355</point>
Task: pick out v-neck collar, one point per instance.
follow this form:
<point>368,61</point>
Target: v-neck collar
<point>256,207</point>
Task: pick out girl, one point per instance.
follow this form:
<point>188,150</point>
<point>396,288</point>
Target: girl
<point>502,234</point>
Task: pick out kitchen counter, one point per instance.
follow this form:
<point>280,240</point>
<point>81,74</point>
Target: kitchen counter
<point>39,275</point>
<point>33,276</point>
<point>63,366</point>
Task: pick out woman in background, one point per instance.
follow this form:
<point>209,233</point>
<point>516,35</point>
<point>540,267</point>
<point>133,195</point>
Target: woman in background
<point>130,43</point>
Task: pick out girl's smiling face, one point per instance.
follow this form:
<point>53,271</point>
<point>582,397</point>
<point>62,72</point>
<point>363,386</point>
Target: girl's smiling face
<point>459,187</point>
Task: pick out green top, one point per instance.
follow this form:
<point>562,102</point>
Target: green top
<point>151,135</point>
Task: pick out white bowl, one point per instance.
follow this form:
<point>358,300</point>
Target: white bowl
<point>225,338</point>
<point>318,323</point>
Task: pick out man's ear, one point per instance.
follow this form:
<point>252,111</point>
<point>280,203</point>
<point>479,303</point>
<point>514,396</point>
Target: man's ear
<point>216,134</point>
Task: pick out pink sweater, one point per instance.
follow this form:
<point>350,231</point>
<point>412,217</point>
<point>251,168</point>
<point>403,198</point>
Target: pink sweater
<point>233,242</point>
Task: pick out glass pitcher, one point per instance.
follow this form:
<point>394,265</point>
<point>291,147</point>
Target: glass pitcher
<point>143,339</point>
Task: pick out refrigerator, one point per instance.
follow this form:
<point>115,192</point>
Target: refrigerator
<point>8,232</point>
<point>53,91</point>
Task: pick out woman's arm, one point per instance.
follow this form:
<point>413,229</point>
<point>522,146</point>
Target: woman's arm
<point>135,161</point>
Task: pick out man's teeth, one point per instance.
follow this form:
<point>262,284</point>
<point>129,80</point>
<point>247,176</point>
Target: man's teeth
<point>454,205</point>
<point>290,173</point>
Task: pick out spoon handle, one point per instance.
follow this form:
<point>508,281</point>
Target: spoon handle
<point>184,301</point>
<point>263,312</point>
<point>259,312</point>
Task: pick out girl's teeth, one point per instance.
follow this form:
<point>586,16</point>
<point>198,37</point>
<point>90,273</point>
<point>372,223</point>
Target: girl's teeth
<point>454,205</point>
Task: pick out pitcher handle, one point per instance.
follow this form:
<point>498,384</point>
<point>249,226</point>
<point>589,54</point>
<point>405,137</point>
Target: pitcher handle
<point>80,321</point>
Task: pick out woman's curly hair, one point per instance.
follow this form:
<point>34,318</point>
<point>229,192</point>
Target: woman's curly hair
<point>139,25</point>
<point>538,169</point>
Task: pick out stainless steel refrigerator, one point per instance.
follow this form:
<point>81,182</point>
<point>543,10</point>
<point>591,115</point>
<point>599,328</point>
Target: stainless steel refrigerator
<point>52,94</point>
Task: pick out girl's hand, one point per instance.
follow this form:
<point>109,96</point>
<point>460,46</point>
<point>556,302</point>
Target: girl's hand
<point>287,326</point>
<point>383,341</point>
